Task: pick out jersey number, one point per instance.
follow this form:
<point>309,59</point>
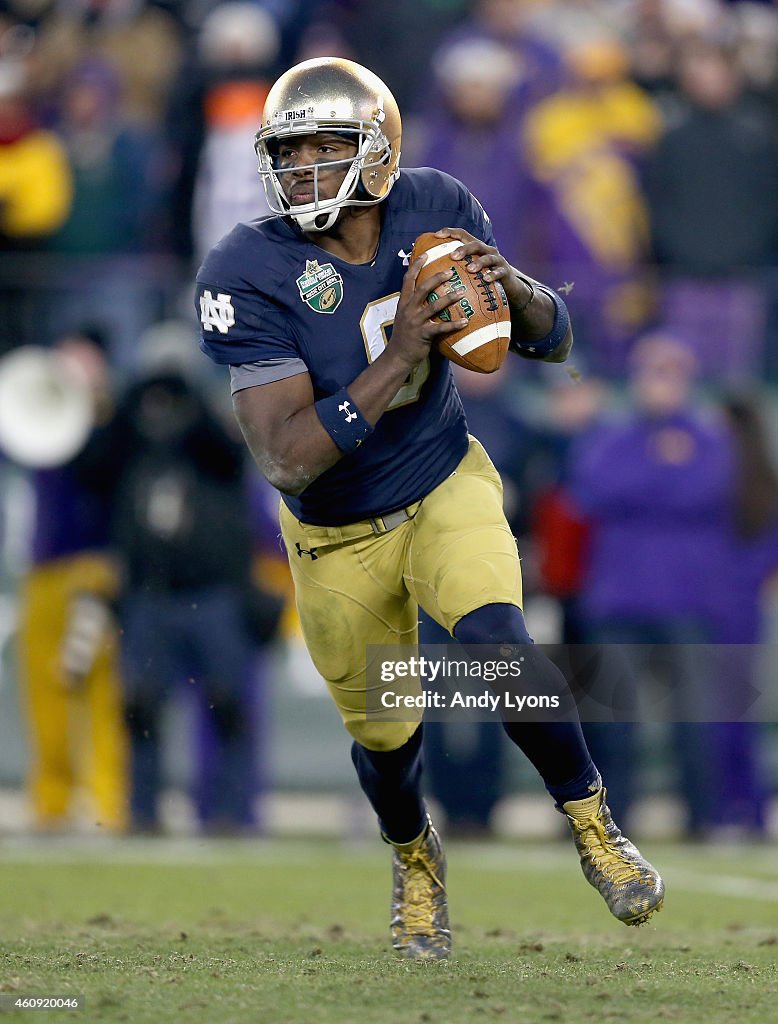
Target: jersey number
<point>379,316</point>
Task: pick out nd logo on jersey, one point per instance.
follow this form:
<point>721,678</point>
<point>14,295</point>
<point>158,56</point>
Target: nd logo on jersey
<point>217,312</point>
<point>321,288</point>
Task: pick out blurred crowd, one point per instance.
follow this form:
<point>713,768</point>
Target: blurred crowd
<point>626,152</point>
<point>626,147</point>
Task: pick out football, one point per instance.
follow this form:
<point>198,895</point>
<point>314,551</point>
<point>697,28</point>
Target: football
<point>483,344</point>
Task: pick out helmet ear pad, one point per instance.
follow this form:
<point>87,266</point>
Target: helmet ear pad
<point>380,166</point>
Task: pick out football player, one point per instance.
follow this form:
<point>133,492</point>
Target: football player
<point>388,504</point>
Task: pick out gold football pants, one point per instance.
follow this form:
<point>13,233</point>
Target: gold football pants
<point>356,585</point>
<point>76,732</point>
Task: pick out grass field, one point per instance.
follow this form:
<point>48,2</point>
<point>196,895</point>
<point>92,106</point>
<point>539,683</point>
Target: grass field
<point>295,932</point>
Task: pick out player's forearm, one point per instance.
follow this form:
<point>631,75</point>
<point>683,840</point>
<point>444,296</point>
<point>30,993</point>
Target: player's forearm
<point>540,325</point>
<point>377,386</point>
<point>532,312</point>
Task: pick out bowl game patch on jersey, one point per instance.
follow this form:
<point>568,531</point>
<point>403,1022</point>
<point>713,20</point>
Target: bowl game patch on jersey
<point>321,287</point>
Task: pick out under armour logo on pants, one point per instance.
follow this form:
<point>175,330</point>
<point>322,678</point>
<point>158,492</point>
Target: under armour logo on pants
<point>311,552</point>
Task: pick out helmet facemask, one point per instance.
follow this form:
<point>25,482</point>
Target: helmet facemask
<point>373,153</point>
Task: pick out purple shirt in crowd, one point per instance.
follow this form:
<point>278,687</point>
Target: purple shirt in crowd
<point>68,518</point>
<point>658,492</point>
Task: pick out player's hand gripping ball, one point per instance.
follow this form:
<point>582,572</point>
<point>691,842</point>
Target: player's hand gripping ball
<point>483,344</point>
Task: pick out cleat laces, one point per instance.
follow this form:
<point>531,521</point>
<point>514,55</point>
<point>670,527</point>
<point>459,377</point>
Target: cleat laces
<point>602,853</point>
<point>419,893</point>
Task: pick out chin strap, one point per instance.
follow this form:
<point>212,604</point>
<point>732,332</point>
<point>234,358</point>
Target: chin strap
<point>312,222</point>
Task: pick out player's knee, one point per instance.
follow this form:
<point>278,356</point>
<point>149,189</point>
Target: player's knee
<point>493,624</point>
<point>381,736</point>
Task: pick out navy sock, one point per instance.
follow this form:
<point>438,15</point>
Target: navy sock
<point>557,749</point>
<point>577,788</point>
<point>391,780</point>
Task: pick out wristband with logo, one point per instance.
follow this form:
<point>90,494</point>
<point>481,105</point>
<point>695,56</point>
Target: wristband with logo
<point>343,421</point>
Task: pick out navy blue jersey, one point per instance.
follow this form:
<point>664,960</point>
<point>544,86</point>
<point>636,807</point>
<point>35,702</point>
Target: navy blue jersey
<point>275,304</point>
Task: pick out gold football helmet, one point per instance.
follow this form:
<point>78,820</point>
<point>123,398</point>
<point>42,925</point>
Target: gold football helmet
<point>335,95</point>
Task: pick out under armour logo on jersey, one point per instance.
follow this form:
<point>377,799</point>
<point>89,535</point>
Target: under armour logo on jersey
<point>217,312</point>
<point>311,552</point>
<point>405,257</point>
<point>344,408</point>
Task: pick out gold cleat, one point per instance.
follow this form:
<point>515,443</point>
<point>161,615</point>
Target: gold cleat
<point>631,887</point>
<point>420,928</point>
